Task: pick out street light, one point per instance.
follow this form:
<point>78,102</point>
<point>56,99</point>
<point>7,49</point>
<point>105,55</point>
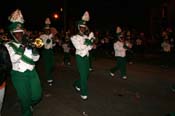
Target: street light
<point>61,9</point>
<point>56,16</point>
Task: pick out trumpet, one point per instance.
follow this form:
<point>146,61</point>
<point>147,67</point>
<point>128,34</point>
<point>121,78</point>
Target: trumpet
<point>38,43</point>
<point>4,38</point>
<point>33,43</point>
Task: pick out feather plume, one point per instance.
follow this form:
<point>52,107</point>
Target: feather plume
<point>118,29</point>
<point>86,16</point>
<point>16,16</point>
<point>47,21</point>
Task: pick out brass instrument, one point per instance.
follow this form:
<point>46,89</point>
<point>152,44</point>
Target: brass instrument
<point>32,43</point>
<point>38,43</point>
<point>4,38</point>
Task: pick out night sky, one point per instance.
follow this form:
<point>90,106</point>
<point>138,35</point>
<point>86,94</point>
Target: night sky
<point>104,14</point>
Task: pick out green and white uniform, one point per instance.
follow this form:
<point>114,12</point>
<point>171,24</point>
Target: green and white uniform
<point>120,54</point>
<point>83,45</point>
<point>24,76</point>
<point>48,55</point>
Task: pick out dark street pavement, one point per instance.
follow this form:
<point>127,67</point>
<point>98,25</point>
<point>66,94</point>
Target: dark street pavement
<point>146,92</point>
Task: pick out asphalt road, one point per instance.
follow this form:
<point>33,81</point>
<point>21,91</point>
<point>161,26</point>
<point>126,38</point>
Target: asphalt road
<point>146,92</point>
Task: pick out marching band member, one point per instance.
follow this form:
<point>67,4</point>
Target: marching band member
<point>82,44</point>
<point>120,48</point>
<point>24,75</point>
<point>48,52</point>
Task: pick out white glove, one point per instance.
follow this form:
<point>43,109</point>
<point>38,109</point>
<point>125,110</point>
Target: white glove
<point>91,35</point>
<point>28,52</point>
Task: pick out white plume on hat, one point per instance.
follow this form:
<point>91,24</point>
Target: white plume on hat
<point>47,21</point>
<point>86,16</point>
<point>118,29</point>
<point>16,16</point>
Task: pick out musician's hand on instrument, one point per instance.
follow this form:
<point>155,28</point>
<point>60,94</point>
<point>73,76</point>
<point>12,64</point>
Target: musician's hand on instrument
<point>129,45</point>
<point>88,42</point>
<point>35,51</point>
<point>28,51</point>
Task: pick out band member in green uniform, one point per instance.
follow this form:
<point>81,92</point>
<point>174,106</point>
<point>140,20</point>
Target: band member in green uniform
<point>48,52</point>
<point>23,75</point>
<point>82,44</point>
<point>120,48</point>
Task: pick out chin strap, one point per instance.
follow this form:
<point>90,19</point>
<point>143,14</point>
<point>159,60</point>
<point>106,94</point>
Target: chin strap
<point>15,38</point>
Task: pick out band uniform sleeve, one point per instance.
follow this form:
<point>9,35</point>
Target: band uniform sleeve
<point>14,56</point>
<point>78,43</point>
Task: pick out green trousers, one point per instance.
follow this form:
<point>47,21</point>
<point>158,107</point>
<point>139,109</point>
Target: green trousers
<point>48,58</point>
<point>90,59</point>
<point>92,54</point>
<point>120,65</point>
<point>83,68</point>
<point>28,88</point>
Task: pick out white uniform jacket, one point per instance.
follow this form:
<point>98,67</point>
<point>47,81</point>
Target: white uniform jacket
<point>78,42</point>
<point>119,49</point>
<point>22,60</point>
<point>46,38</point>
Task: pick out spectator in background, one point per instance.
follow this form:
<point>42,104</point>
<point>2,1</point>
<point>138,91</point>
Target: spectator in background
<point>166,52</point>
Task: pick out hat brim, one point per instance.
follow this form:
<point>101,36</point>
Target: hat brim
<point>47,28</point>
<point>82,26</point>
<point>15,31</point>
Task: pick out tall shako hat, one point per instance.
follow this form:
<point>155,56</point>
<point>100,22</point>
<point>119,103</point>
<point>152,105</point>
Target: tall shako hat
<point>84,19</point>
<point>47,23</point>
<point>16,19</point>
